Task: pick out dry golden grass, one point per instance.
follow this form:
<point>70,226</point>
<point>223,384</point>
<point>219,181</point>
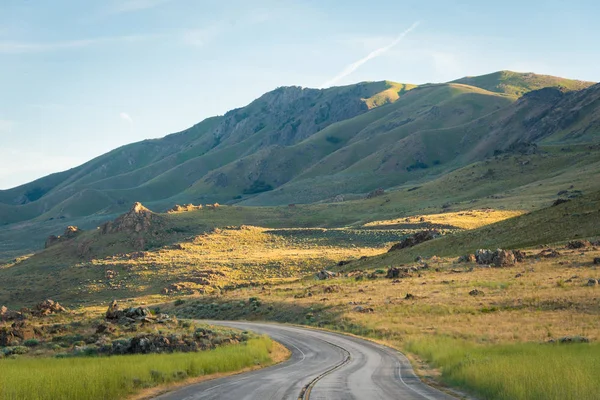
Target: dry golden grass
<point>469,219</point>
<point>536,300</point>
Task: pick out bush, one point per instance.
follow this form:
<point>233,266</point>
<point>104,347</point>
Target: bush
<point>258,186</point>
<point>179,302</point>
<point>31,342</point>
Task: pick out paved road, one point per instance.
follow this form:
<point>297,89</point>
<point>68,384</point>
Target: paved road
<point>322,366</point>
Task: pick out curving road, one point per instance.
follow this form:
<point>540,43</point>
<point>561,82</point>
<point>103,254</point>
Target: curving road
<point>323,365</point>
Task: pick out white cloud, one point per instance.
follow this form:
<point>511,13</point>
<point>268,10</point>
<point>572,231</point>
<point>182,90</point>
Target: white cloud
<point>126,117</point>
<point>374,54</point>
<point>16,47</point>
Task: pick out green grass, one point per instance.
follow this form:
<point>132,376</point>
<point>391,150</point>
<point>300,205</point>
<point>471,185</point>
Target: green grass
<point>517,83</point>
<point>116,377</point>
<point>527,371</point>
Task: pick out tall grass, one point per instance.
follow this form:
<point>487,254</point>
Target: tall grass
<point>115,377</point>
<point>515,371</point>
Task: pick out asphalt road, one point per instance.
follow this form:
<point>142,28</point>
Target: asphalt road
<point>322,366</point>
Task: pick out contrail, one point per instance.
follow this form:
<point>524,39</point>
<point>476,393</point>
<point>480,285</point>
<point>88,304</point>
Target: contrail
<point>375,53</point>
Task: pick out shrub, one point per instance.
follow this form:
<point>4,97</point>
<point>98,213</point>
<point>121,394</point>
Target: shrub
<point>179,302</point>
<point>31,342</point>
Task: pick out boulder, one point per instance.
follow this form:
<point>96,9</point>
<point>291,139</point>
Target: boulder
<point>71,232</point>
<point>597,260</point>
<point>578,244</point>
<point>376,193</point>
<point>363,310</point>
<point>394,273</point>
<point>113,312</point>
<point>504,258</point>
<point>18,332</point>
<point>559,202</point>
<point>468,258</point>
<point>592,282</point>
<point>498,258</point>
<point>476,292</point>
<point>324,274</point>
<point>484,256</point>
<point>48,307</point>
<point>548,253</point>
<point>415,239</point>
<point>573,339</point>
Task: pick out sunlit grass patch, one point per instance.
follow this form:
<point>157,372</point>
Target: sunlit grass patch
<point>514,371</point>
<point>118,376</point>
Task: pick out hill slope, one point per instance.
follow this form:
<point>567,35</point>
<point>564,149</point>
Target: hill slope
<point>295,145</point>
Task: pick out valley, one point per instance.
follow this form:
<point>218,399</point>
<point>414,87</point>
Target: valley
<point>458,223</point>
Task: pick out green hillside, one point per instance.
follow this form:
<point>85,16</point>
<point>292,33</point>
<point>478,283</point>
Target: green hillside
<point>297,145</point>
<point>517,83</point>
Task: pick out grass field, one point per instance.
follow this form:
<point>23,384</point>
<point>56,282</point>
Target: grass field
<point>525,371</point>
<point>119,376</point>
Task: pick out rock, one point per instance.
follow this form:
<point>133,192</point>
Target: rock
<point>18,332</point>
<point>394,272</point>
<point>331,289</point>
<point>363,310</point>
<point>376,193</point>
<point>498,258</point>
<point>110,274</point>
<point>597,260</point>
<point>48,307</point>
<point>548,253</point>
<point>415,239</point>
<point>324,274</point>
<point>504,258</point>
<point>51,241</point>
<point>484,256</point>
<point>468,258</point>
<point>592,282</point>
<point>344,262</point>
<point>520,256</point>
<point>573,339</point>
<point>409,297</point>
<point>104,328</point>
<point>559,201</point>
<point>113,311</point>
<point>578,244</point>
<point>476,292</point>
<point>138,219</point>
<point>71,232</point>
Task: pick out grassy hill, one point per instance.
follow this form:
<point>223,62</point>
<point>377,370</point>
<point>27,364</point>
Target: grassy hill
<point>296,145</point>
<point>517,83</point>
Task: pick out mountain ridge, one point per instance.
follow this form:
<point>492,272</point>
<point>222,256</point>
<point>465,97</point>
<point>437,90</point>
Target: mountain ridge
<point>315,144</point>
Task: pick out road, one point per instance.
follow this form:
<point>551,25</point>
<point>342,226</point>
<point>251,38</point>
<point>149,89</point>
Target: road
<point>322,365</point>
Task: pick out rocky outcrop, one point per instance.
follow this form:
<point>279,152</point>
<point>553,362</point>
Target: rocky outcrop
<point>187,207</point>
<point>131,314</point>
<point>71,232</point>
<point>15,334</point>
<point>138,219</point>
<point>498,258</point>
<point>413,240</point>
<point>578,244</point>
<point>48,307</point>
<point>324,274</point>
<point>376,193</point>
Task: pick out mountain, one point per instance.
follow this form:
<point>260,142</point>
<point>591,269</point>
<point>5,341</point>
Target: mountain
<point>298,145</point>
<point>517,84</point>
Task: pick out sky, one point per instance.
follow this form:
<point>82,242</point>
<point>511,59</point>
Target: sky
<point>80,78</point>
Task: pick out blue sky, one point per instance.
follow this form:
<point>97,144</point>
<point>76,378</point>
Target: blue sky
<point>79,78</point>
